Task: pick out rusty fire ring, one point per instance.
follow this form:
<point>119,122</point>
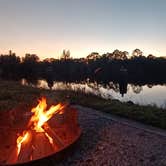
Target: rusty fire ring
<point>57,156</point>
<point>38,150</point>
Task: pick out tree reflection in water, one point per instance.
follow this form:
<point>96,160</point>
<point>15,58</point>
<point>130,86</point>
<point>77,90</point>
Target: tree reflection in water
<point>84,86</point>
<point>145,94</point>
<point>136,88</point>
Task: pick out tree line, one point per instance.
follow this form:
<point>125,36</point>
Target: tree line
<point>116,66</point>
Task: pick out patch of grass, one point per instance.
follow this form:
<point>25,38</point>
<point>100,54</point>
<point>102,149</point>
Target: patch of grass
<point>12,94</point>
<point>145,114</point>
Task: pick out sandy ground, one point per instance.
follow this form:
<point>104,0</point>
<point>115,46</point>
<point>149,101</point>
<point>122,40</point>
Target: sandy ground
<point>105,142</point>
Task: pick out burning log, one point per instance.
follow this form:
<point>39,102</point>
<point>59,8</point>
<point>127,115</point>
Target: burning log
<point>41,146</point>
<point>22,151</point>
<point>26,148</point>
<point>58,143</point>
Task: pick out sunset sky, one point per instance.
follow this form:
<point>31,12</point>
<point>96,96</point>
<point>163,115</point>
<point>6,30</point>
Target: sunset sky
<point>46,27</point>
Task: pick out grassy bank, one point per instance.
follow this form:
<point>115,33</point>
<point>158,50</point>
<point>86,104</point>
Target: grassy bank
<point>13,94</point>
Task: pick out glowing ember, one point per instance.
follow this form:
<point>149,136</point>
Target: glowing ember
<point>38,120</point>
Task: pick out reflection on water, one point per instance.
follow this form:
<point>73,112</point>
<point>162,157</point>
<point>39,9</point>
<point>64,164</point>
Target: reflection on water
<point>143,95</point>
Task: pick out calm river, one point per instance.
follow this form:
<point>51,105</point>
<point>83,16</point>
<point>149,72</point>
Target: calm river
<point>142,95</point>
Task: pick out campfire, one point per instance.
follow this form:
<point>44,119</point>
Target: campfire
<point>38,133</point>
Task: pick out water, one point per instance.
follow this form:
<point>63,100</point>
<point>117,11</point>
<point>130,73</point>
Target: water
<point>142,95</point>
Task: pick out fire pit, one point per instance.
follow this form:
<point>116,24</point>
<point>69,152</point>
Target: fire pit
<point>28,136</point>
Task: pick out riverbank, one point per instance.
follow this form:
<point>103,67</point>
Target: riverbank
<point>13,94</point>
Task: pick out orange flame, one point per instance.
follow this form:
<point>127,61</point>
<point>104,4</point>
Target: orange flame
<point>39,118</point>
<point>41,115</point>
<point>20,140</point>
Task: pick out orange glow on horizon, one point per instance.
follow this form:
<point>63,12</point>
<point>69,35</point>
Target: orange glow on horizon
<point>83,52</point>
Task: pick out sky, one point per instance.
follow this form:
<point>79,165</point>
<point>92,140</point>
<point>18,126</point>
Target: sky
<point>46,27</point>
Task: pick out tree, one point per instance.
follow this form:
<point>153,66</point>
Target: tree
<point>93,55</point>
<point>119,54</point>
<point>150,56</point>
<point>125,54</point>
<point>66,55</point>
<point>30,58</point>
<point>137,53</point>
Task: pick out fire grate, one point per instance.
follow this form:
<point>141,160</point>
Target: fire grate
<point>59,133</point>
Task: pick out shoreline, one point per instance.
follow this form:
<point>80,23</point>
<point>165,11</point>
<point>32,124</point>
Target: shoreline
<point>13,94</point>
